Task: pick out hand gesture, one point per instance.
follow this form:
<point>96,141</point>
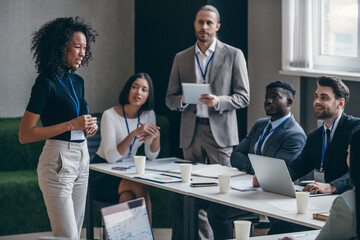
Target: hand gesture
<point>82,122</point>
<point>147,131</point>
<point>91,130</point>
<point>319,187</point>
<point>255,182</point>
<point>209,100</point>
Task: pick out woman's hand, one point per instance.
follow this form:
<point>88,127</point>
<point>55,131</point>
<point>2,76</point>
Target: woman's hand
<point>91,131</point>
<point>83,122</point>
<point>147,131</point>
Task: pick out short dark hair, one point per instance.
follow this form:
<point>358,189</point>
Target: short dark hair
<point>50,43</point>
<point>338,86</point>
<point>211,9</point>
<point>284,85</point>
<point>124,94</point>
<point>354,173</point>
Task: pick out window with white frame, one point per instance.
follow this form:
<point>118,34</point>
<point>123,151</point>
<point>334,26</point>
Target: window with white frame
<point>321,34</point>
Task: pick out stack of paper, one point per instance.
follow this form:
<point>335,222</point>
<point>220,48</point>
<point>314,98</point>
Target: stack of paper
<point>212,170</point>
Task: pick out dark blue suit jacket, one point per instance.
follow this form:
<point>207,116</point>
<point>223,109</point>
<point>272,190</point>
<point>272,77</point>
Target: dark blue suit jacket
<point>335,166</point>
<point>286,143</point>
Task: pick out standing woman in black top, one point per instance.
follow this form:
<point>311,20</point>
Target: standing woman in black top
<point>57,98</point>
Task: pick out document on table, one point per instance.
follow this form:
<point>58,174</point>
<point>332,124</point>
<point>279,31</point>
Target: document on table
<point>126,163</point>
<point>212,170</point>
<point>160,178</point>
<point>244,185</point>
<point>289,205</point>
<point>161,167</point>
<point>303,236</point>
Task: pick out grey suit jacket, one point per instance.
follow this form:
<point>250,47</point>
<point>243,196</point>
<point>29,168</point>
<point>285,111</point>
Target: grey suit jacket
<point>228,80</point>
<point>286,143</point>
<point>341,223</point>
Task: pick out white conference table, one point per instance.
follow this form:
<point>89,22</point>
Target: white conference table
<point>297,236</point>
<point>260,202</point>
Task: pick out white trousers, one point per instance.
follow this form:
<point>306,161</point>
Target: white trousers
<point>63,172</point>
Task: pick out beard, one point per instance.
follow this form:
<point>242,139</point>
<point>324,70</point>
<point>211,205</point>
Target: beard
<point>326,113</point>
<point>208,38</point>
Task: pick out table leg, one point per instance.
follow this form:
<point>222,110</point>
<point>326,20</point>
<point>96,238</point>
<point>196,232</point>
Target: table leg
<point>89,210</point>
<point>191,228</point>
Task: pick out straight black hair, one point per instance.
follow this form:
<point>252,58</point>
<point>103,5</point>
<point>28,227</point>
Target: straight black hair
<point>124,94</point>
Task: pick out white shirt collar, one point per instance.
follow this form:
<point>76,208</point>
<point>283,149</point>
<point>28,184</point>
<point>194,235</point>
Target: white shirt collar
<point>335,126</point>
<point>275,123</point>
<point>209,51</point>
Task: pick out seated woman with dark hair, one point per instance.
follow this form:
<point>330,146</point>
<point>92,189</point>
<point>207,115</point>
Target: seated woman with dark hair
<point>344,219</point>
<point>124,128</point>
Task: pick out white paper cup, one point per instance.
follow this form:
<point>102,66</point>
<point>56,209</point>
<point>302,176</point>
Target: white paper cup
<point>224,183</point>
<point>302,200</point>
<point>140,164</point>
<point>185,170</point>
<point>242,230</point>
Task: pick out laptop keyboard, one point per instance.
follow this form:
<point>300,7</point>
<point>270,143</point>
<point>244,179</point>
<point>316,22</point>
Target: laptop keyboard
<point>298,188</point>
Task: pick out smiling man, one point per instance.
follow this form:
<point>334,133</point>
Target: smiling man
<point>326,147</point>
<point>279,136</point>
<point>325,150</point>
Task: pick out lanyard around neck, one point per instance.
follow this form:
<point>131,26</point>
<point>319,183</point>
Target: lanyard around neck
<point>203,74</point>
<point>325,147</point>
<point>262,137</point>
<point>127,126</point>
<point>77,103</point>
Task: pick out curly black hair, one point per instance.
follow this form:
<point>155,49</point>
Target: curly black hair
<point>50,44</point>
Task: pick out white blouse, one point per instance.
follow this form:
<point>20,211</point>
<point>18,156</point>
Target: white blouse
<point>114,130</point>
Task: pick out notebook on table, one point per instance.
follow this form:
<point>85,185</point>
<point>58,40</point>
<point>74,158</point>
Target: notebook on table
<point>273,176</point>
<point>128,220</point>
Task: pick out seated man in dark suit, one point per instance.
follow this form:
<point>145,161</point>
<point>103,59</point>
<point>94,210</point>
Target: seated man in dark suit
<point>279,137</point>
<point>325,151</point>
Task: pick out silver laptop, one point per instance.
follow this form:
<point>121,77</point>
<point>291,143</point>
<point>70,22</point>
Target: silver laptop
<point>273,176</point>
<point>127,220</point>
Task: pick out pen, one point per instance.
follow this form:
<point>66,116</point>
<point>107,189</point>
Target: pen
<point>295,236</point>
<point>168,175</point>
<point>179,161</point>
<point>122,168</point>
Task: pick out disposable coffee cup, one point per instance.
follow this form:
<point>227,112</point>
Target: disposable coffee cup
<point>224,183</point>
<point>302,200</point>
<point>242,230</point>
<point>185,170</point>
<point>140,164</point>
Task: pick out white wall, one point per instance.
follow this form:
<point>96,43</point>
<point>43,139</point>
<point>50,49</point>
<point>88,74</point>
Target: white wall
<point>264,56</point>
<point>113,52</point>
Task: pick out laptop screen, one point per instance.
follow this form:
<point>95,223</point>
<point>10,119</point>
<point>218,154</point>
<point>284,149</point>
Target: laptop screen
<point>128,220</point>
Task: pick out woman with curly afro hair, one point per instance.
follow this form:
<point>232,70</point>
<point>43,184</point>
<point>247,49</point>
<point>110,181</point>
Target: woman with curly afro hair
<point>59,48</point>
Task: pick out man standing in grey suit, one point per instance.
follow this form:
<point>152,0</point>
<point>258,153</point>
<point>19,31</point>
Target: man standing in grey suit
<point>208,130</point>
<point>279,136</point>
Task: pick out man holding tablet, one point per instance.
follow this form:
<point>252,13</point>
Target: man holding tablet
<point>209,130</point>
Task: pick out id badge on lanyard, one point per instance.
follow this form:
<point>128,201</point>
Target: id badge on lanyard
<point>319,176</point>
<point>74,134</point>
<point>77,135</point>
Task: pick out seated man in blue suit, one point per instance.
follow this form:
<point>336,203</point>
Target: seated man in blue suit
<point>325,151</point>
<point>279,136</point>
